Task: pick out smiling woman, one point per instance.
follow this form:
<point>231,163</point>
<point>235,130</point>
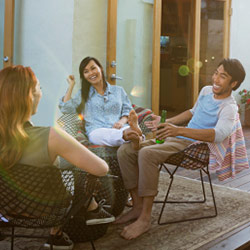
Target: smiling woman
<point>109,117</point>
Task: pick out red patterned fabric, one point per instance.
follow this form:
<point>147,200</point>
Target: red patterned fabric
<point>141,112</point>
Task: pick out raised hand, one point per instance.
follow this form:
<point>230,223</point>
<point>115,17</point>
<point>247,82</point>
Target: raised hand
<point>71,80</point>
<point>154,123</point>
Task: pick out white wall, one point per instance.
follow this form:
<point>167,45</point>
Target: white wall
<point>240,37</point>
<point>90,33</point>
<point>43,41</point>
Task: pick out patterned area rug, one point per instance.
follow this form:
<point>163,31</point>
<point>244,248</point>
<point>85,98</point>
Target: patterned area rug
<point>233,211</point>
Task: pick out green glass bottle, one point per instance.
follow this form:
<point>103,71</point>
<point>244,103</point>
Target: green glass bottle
<point>163,118</point>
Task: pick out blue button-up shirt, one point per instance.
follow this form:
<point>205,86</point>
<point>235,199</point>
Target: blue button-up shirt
<point>101,111</point>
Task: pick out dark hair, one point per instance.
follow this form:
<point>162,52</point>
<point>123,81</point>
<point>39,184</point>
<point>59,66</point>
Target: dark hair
<point>85,85</point>
<point>235,69</point>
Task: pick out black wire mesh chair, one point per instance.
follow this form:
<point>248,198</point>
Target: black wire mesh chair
<point>42,197</point>
<point>111,189</point>
<point>194,157</point>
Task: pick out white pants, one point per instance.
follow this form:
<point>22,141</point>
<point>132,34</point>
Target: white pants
<point>107,136</point>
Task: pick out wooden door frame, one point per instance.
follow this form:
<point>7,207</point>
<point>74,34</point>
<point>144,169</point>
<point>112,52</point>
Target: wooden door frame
<point>196,52</point>
<point>9,14</point>
<point>156,57</point>
<point>111,39</point>
<point>227,20</point>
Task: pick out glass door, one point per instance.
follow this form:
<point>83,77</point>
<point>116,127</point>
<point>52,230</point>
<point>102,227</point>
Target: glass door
<point>194,39</point>
<point>131,65</point>
<point>213,37</point>
<point>177,55</point>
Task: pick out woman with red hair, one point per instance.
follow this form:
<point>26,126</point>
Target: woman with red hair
<point>21,142</point>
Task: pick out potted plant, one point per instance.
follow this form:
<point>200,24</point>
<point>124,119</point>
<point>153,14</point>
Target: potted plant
<point>245,101</point>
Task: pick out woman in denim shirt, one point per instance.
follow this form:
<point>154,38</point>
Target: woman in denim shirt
<point>109,117</point>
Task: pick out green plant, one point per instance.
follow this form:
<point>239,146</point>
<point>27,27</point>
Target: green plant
<point>245,98</point>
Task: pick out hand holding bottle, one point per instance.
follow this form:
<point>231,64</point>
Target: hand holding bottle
<point>163,119</point>
<point>168,130</point>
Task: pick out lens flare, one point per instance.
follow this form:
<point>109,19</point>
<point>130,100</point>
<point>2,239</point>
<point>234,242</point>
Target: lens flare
<point>192,65</point>
<point>183,70</point>
<point>137,91</point>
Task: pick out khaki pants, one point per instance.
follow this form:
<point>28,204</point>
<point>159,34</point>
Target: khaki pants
<point>139,169</point>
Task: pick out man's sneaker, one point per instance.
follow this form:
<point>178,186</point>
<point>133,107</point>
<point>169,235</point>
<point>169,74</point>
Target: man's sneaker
<point>99,216</point>
<point>60,242</point>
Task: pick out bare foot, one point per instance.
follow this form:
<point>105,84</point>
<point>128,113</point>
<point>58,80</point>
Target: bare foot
<point>130,135</point>
<point>136,229</point>
<point>132,214</point>
<point>133,122</point>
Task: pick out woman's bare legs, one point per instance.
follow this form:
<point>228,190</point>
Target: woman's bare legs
<point>131,135</point>
<point>133,122</point>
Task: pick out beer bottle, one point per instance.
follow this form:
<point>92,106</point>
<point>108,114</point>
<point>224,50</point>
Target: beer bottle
<point>163,118</point>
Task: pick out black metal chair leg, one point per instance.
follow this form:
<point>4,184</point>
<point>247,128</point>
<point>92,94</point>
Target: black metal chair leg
<point>92,244</point>
<point>12,237</point>
<point>203,188</point>
<point>199,201</point>
<point>165,201</point>
<point>212,191</point>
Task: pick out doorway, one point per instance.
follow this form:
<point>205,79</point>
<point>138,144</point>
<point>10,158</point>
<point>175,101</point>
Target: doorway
<point>180,70</point>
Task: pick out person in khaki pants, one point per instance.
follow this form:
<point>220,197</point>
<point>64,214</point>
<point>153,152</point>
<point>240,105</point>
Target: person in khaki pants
<point>210,120</point>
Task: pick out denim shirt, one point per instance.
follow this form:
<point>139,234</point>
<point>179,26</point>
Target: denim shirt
<point>101,111</point>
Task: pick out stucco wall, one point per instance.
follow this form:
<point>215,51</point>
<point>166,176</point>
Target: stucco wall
<point>43,41</point>
<point>89,35</point>
<point>240,37</point>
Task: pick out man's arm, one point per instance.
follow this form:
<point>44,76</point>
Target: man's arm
<point>170,130</point>
<point>181,119</point>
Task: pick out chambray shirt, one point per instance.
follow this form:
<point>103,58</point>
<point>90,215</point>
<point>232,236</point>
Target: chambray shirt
<point>101,111</point>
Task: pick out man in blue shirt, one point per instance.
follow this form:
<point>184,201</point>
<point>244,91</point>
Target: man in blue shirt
<point>210,120</point>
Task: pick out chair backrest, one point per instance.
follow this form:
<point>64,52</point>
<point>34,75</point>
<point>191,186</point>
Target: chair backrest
<point>71,123</point>
<point>33,196</point>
